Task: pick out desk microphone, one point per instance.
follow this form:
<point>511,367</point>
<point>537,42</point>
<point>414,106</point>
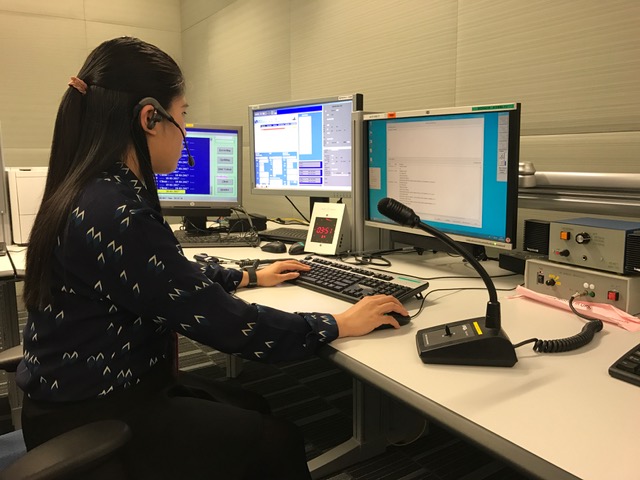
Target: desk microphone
<point>477,341</point>
<point>160,113</point>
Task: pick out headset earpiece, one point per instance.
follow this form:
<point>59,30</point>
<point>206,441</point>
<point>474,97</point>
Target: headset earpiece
<point>158,114</point>
<point>154,119</point>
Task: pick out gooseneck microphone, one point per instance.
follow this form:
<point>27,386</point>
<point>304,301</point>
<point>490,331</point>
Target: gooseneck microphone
<point>158,115</point>
<point>478,341</point>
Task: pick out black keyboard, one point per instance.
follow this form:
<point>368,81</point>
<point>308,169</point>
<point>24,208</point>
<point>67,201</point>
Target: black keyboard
<point>627,367</point>
<point>351,283</point>
<point>285,234</point>
<point>217,239</point>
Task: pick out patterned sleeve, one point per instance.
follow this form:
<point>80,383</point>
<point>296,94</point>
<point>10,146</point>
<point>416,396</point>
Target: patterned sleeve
<point>228,278</point>
<point>131,256</point>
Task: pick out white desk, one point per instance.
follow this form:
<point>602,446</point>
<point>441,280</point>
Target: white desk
<point>557,416</point>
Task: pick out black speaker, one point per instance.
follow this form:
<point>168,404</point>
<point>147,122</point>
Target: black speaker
<point>632,253</point>
<point>536,236</point>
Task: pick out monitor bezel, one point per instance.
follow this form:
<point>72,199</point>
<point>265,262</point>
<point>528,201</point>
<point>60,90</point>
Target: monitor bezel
<point>5,213</point>
<point>190,208</point>
<point>357,105</point>
<point>514,110</point>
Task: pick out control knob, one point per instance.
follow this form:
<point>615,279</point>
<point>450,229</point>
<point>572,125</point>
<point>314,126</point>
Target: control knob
<point>583,238</point>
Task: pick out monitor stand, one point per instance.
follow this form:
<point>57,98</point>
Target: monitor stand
<point>195,224</point>
<point>424,242</point>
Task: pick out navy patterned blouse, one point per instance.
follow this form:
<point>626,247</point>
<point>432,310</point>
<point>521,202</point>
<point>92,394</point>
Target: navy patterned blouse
<point>122,286</point>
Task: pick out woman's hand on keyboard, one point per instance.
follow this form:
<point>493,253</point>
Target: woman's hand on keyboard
<point>278,272</point>
<point>368,314</point>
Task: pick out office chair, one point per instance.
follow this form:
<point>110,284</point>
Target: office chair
<point>72,454</point>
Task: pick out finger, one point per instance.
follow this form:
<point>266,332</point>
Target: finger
<point>389,320</point>
<point>289,264</point>
<point>386,300</point>
<point>289,276</point>
<point>393,305</point>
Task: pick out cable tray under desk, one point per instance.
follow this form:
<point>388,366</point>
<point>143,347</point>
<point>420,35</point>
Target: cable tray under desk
<point>217,239</point>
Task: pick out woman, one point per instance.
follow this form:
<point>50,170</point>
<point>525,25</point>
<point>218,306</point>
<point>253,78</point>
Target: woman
<point>107,287</point>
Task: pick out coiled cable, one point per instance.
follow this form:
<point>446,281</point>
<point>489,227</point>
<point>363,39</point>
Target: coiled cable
<point>569,343</point>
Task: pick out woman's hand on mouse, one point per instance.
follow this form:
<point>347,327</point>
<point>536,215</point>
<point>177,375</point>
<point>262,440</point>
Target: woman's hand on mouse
<point>278,272</point>
<point>368,314</point>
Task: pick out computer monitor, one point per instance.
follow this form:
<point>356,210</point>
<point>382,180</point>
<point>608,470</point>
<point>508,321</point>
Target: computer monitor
<point>303,147</point>
<point>213,186</point>
<point>457,168</point>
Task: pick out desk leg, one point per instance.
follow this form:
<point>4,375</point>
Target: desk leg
<point>10,331</point>
<point>369,433</point>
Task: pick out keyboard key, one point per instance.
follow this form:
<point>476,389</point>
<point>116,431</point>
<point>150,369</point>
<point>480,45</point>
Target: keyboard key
<point>627,367</point>
<point>350,283</point>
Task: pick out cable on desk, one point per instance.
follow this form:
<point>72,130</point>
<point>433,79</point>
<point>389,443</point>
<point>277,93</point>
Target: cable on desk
<point>569,343</point>
<point>294,206</point>
<point>191,229</point>
<point>289,221</point>
<point>372,257</point>
<point>456,289</point>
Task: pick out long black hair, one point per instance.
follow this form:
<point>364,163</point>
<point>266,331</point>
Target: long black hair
<point>94,131</point>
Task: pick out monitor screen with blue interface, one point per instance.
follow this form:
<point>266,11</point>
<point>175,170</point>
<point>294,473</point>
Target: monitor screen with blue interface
<point>457,168</point>
<point>303,147</point>
<point>212,187</point>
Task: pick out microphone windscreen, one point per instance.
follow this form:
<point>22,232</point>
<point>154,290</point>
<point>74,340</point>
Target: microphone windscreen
<point>398,212</point>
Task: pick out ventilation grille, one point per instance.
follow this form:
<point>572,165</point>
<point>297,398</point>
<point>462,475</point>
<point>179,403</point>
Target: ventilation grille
<point>632,253</point>
<point>536,236</point>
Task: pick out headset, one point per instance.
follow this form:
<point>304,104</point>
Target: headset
<point>158,114</point>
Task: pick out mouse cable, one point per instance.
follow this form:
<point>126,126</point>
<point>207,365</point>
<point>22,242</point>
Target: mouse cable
<point>453,289</point>
<point>568,344</point>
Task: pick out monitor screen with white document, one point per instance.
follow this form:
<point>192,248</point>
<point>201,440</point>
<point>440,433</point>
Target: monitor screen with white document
<point>457,168</point>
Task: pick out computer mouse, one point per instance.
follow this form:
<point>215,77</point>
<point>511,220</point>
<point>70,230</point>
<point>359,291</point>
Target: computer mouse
<point>401,319</point>
<point>274,247</point>
<point>296,248</point>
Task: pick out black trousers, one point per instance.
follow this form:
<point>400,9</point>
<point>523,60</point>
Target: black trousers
<point>185,427</point>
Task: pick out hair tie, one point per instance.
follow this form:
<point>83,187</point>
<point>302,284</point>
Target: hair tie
<point>78,84</point>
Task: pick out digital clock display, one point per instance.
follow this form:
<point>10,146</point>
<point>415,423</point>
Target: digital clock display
<point>324,230</point>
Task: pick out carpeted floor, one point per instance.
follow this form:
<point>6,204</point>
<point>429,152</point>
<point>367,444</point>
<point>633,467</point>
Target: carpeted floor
<point>317,396</point>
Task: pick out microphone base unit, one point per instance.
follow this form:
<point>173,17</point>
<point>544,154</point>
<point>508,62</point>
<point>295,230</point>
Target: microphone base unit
<point>466,342</point>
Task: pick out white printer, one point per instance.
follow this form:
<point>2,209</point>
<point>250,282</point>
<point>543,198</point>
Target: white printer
<point>26,187</point>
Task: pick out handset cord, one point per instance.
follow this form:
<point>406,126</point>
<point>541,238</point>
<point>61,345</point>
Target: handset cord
<point>569,343</point>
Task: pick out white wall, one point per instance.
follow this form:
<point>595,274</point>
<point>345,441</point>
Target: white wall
<point>44,42</point>
<point>573,64</point>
